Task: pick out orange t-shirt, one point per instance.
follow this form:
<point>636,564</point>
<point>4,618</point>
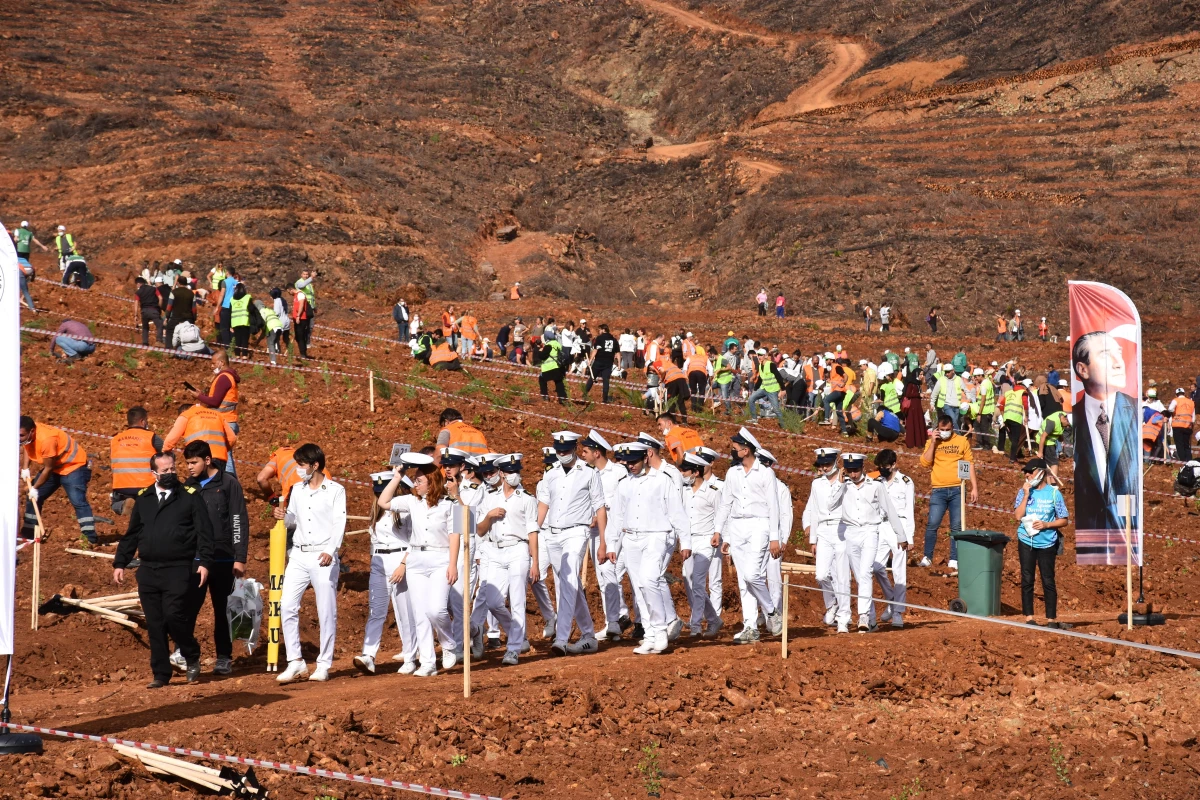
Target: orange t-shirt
<point>57,449</point>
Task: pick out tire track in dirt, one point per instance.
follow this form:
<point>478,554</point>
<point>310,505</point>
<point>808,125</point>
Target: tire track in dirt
<point>846,58</point>
<point>697,22</point>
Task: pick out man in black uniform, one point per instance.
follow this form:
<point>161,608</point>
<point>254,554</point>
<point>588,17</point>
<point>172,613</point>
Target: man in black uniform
<point>604,352</point>
<point>170,531</point>
<point>231,537</point>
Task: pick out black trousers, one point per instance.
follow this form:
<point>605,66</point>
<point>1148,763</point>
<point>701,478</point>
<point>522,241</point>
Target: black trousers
<point>603,375</point>
<point>697,385</point>
<point>983,431</point>
<point>884,433</point>
<point>303,327</point>
<point>554,376</point>
<point>241,341</point>
<point>678,389</point>
<point>1041,558</point>
<point>151,316</point>
<point>164,593</point>
<point>1016,438</point>
<point>223,334</point>
<point>1183,443</point>
<point>218,586</point>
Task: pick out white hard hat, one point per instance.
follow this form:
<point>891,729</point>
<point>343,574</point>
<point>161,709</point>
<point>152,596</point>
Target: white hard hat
<point>977,371</point>
<point>1018,311</point>
<point>24,223</point>
<point>62,228</point>
<point>689,334</point>
<point>1152,393</point>
<point>177,261</point>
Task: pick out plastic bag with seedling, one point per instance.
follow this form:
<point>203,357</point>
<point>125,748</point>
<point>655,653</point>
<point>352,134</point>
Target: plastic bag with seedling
<point>244,612</point>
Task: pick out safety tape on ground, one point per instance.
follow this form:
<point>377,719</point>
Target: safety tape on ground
<point>368,780</point>
<point>1024,626</point>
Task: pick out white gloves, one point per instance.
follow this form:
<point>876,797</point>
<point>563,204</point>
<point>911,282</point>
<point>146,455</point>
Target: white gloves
<point>33,495</point>
<point>25,475</point>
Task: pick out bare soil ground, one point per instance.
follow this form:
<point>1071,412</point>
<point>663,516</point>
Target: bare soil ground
<point>974,157</point>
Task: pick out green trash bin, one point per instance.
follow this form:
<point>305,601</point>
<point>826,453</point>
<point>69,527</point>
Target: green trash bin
<point>980,564</point>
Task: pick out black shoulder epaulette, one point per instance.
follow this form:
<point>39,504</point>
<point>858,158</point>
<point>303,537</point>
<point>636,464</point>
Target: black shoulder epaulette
<point>906,479</point>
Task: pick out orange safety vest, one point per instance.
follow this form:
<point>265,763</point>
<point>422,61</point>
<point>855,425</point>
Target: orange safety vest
<point>1001,325</point>
<point>1151,428</point>
<point>285,467</point>
<point>1185,413</point>
<point>514,293</point>
<point>131,451</point>
<point>669,371</point>
<point>837,383</point>
<point>447,324</point>
<point>680,440</point>
<point>808,374</point>
<point>55,446</point>
<point>466,438</point>
<point>442,353</point>
<point>697,362</point>
<point>206,425</point>
<point>229,405</point>
<point>1065,396</point>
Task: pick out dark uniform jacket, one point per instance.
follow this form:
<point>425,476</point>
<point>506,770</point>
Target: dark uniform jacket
<point>177,533</point>
<point>227,512</point>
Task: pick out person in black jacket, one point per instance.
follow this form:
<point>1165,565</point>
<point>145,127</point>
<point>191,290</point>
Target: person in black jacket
<point>170,531</point>
<point>151,315</point>
<point>231,537</point>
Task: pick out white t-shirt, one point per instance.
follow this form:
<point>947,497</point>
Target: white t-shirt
<point>628,342</point>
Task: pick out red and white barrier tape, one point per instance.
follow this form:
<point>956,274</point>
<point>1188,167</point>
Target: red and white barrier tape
<point>368,780</point>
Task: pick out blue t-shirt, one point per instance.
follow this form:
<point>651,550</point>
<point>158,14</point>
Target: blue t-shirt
<point>1046,503</point>
<point>890,420</point>
<point>230,284</point>
<point>1052,378</point>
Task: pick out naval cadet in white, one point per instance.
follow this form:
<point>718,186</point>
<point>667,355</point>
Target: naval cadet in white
<point>701,560</point>
<point>594,450</point>
<point>864,505</point>
<point>388,584</point>
<point>478,477</point>
<point>894,540</point>
<point>540,593</point>
<point>458,477</point>
<point>784,532</point>
<point>647,519</point>
<point>570,497</point>
<point>508,521</point>
<point>431,570</point>
<point>658,464</point>
<point>746,520</point>
<point>316,515</point>
<point>822,521</point>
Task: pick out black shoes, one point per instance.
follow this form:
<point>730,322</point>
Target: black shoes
<point>156,684</point>
<point>193,672</point>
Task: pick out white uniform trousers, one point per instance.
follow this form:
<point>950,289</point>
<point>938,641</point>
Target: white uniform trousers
<point>566,548</point>
<point>702,580</point>
<point>611,598</point>
<point>504,577</point>
<point>429,594</point>
<point>647,554</point>
<point>301,572</point>
<point>483,550</point>
<point>861,544</point>
<point>833,572</point>
<point>895,588</point>
<point>775,579</point>
<point>747,539</point>
<point>639,602</point>
<point>379,593</point>
<point>540,593</point>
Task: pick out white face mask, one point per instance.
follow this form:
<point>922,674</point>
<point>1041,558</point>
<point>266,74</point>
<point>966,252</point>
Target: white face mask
<point>492,480</point>
<point>945,434</point>
<point>689,480</point>
<point>513,479</point>
<point>302,474</point>
<point>216,370</point>
<point>566,459</point>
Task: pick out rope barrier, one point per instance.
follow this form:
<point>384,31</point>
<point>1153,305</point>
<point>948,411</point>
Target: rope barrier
<point>388,783</point>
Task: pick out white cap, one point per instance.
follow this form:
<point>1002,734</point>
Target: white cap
<point>947,367</point>
<point>178,261</point>
<point>649,440</point>
<point>695,460</point>
<point>62,228</point>
<point>1063,383</point>
<point>762,352</point>
<point>416,460</point>
<point>630,451</point>
<point>965,407</point>
<point>994,364</point>
<point>745,437</point>
<point>707,453</point>
<point>158,278</point>
<point>853,461</point>
<point>838,348</point>
<point>1018,311</point>
<point>828,354</point>
<point>885,369</point>
<point>766,455</point>
<point>583,322</point>
<point>565,438</point>
<point>977,371</point>
<point>908,350</point>
<point>1152,393</point>
<point>1027,382</point>
<point>24,223</point>
<point>594,439</point>
<point>509,463</point>
<point>452,456</point>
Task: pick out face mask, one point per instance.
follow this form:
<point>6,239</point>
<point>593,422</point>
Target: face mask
<point>216,370</point>
<point>302,474</point>
<point>689,480</point>
<point>945,434</point>
<point>492,480</point>
<point>566,459</point>
<point>829,473</point>
<point>733,455</point>
<point>168,481</point>
<point>513,479</point>
<point>855,478</point>
<point>885,472</point>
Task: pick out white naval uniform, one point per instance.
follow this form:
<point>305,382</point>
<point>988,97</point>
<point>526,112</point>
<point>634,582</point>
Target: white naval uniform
<point>318,517</point>
<point>671,471</point>
<point>608,579</point>
<point>428,560</point>
<point>823,519</point>
<point>782,535</point>
<point>747,518</point>
<point>389,549</point>
<point>864,505</point>
<point>541,594</point>
<point>900,490</point>
<point>704,565</point>
<point>506,571</point>
<point>648,518</point>
<point>472,496</point>
<point>573,498</point>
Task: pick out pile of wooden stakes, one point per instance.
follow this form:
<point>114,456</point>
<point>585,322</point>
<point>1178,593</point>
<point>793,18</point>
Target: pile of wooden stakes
<point>123,609</point>
<point>195,774</point>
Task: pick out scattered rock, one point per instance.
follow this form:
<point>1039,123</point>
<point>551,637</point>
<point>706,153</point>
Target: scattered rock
<point>507,233</point>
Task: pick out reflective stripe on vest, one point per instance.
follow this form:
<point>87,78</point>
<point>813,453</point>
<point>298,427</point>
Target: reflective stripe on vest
<point>1185,413</point>
<point>1014,408</point>
<point>131,451</point>
<point>1152,427</point>
<point>988,394</point>
<point>891,397</point>
<point>767,377</point>
<point>228,407</point>
<point>1053,427</point>
<point>466,438</point>
<point>239,312</point>
<point>671,372</point>
<point>270,319</point>
<point>551,361</point>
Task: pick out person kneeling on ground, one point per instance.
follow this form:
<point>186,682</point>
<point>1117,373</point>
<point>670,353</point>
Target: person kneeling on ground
<point>1042,513</point>
<point>885,425</point>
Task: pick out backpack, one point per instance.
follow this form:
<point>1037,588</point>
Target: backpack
<point>1186,480</point>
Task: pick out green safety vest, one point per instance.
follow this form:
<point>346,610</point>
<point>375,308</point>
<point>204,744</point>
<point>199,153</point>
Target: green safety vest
<point>217,276</point>
<point>239,312</point>
<point>726,377</point>
<point>1014,409</point>
<point>550,363</point>
<point>311,294</point>
<point>767,378</point>
<point>1053,427</point>
<point>270,319</point>
<point>24,237</point>
<point>424,343</point>
<point>58,242</point>
<point>987,394</point>
<point>891,397</point>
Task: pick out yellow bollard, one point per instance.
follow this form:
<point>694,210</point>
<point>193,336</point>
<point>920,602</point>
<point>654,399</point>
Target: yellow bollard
<point>275,594</point>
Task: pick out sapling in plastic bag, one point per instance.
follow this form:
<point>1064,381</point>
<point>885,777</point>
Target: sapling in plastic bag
<point>244,612</point>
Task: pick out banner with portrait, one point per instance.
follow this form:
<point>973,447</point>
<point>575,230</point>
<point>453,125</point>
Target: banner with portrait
<point>10,449</point>
<point>1106,390</point>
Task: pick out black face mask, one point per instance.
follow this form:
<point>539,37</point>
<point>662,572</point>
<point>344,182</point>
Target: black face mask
<point>733,455</point>
<point>886,472</point>
<point>167,481</point>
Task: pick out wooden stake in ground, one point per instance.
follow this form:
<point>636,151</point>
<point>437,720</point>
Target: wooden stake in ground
<point>1125,502</point>
<point>786,585</point>
<point>371,381</point>
<point>36,588</point>
<point>468,528</point>
<point>788,569</point>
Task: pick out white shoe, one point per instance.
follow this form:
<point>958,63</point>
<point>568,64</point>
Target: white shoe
<point>713,629</point>
<point>407,668</point>
<point>476,644</point>
<point>294,672</point>
<point>548,629</point>
<point>674,629</point>
<point>843,627</point>
<point>450,658</point>
<point>925,562</point>
<point>585,646</point>
<point>775,623</point>
<point>398,657</point>
<point>510,658</point>
<point>651,647</point>
<point>365,664</point>
<point>320,674</point>
<point>178,661</point>
<point>830,617</point>
<point>952,565</point>
<point>747,636</point>
<point>426,670</point>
